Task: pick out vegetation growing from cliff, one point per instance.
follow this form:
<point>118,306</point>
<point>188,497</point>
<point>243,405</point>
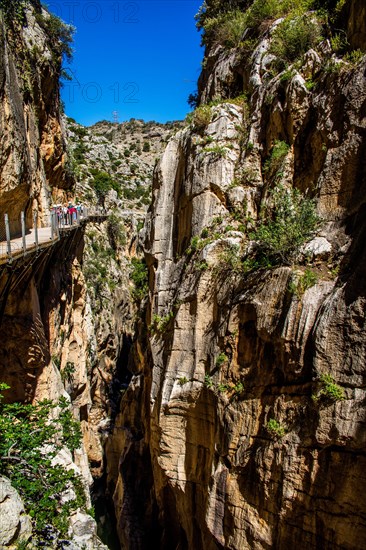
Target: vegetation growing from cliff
<point>116,231</point>
<point>59,33</point>
<point>67,373</point>
<point>328,390</point>
<point>287,221</point>
<point>139,277</point>
<point>275,429</point>
<point>201,117</point>
<point>225,22</point>
<point>160,324</point>
<point>13,10</point>
<point>294,37</point>
<point>103,183</point>
<point>223,387</point>
<point>301,283</point>
<point>240,23</point>
<point>275,162</point>
<point>30,438</point>
<point>102,269</point>
<point>221,359</point>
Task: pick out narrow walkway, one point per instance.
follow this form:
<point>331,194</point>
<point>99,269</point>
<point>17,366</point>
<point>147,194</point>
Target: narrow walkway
<point>44,237</point>
<point>47,236</point>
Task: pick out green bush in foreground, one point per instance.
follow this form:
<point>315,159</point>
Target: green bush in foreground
<point>202,117</point>
<point>302,283</point>
<point>30,437</point>
<point>295,36</point>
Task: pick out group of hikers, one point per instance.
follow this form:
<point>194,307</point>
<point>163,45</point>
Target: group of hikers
<point>69,214</point>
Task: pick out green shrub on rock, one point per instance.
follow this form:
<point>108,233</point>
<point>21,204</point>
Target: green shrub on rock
<point>221,359</point>
<point>202,117</point>
<point>275,429</point>
<point>13,10</point>
<point>116,230</point>
<point>288,221</point>
<point>139,277</point>
<point>295,36</point>
<point>103,182</point>
<point>30,438</point>
<point>301,283</point>
<point>329,390</point>
<point>275,162</point>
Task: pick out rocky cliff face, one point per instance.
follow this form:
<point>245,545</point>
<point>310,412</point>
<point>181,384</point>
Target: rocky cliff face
<point>242,426</point>
<point>32,153</point>
<point>113,165</point>
<point>232,405</point>
<point>46,323</point>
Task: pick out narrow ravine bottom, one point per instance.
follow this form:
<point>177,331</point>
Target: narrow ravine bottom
<point>102,494</point>
<point>104,514</point>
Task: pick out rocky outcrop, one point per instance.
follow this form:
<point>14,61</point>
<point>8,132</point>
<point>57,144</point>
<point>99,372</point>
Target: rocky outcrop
<point>15,524</point>
<point>237,409</point>
<point>65,312</point>
<point>32,152</point>
<point>230,415</point>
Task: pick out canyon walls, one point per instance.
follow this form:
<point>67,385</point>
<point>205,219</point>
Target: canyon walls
<point>223,407</point>
<point>243,424</point>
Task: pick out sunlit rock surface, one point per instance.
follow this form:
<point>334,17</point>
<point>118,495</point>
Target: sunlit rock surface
<point>226,353</point>
<point>15,524</point>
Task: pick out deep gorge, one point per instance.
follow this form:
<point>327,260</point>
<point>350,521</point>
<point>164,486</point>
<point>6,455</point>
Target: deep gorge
<point>208,334</point>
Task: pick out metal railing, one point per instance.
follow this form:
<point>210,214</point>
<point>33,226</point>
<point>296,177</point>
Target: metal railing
<point>19,235</point>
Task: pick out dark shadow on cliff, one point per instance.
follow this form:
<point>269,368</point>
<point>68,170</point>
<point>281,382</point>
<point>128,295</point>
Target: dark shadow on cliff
<point>37,283</point>
<point>329,512</point>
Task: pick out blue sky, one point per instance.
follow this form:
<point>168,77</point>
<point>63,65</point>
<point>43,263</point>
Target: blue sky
<point>140,58</point>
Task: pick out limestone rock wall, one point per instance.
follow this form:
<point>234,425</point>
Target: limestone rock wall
<point>32,152</point>
<point>65,326</point>
<point>227,353</point>
<point>110,326</point>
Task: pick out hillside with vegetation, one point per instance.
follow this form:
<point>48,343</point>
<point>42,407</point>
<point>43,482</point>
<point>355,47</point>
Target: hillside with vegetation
<point>118,158</point>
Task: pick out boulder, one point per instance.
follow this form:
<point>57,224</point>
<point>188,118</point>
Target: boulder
<point>15,524</point>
